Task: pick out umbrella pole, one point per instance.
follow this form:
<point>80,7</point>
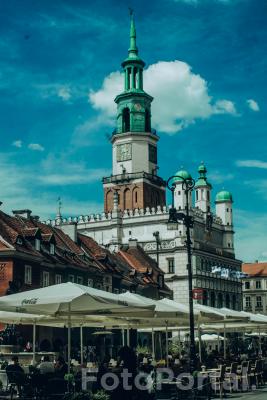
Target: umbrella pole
<point>153,343</point>
<point>167,344</point>
<point>69,338</point>
<point>34,343</point>
<point>123,337</point>
<point>81,343</point>
<point>224,341</point>
<point>128,336</point>
<point>199,341</point>
<point>260,342</point>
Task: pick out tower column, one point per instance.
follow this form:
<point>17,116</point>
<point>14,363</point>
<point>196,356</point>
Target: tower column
<point>132,78</point>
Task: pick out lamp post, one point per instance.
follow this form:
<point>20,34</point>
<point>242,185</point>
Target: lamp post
<point>188,185</point>
<point>156,235</point>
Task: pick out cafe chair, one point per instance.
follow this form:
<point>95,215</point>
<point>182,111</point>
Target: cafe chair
<point>231,377</point>
<point>217,380</point>
<point>243,375</point>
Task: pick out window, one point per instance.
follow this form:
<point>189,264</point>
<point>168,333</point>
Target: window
<point>90,282</point>
<point>52,248</point>
<point>208,195</point>
<point>71,278</point>
<point>79,280</point>
<point>107,288</point>
<point>147,121</point>
<point>179,192</point>
<point>248,302</point>
<point>229,244</point>
<point>58,279</point>
<point>196,195</point>
<point>45,278</point>
<point>37,244</point>
<point>247,285</point>
<point>171,266</point>
<point>258,302</point>
<point>258,284</point>
<point>227,209</point>
<point>28,275</point>
<point>126,120</point>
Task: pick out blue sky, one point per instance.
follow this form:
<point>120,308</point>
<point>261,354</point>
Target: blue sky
<point>206,66</point>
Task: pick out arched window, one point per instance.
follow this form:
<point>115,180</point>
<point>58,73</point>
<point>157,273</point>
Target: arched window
<point>135,197</point>
<point>227,301</point>
<point>205,298</point>
<point>127,199</point>
<point>126,120</point>
<point>220,300</point>
<point>212,299</point>
<point>147,121</point>
<point>109,200</point>
<point>196,195</point>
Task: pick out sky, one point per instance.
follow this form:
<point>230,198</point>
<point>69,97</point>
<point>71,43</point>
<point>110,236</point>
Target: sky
<point>60,68</point>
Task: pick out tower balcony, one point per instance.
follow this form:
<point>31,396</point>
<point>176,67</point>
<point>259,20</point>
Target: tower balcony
<point>115,132</point>
<point>128,177</point>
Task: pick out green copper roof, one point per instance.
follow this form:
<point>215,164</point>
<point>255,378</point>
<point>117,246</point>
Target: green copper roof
<point>202,180</point>
<point>182,174</point>
<point>133,49</point>
<point>223,196</point>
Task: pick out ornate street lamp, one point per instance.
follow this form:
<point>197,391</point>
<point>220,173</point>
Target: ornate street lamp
<point>188,185</point>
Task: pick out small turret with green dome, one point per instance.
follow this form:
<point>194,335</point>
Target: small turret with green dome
<point>181,175</point>
<point>202,180</point>
<point>224,196</point>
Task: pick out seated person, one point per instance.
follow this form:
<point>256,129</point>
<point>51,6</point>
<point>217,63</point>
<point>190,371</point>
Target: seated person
<point>16,374</point>
<point>61,367</point>
<point>46,366</point>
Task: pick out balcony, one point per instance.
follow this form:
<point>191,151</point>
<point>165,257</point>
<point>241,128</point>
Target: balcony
<point>128,177</point>
<point>115,132</point>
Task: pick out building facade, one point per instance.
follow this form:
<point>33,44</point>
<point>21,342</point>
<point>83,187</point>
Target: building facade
<point>135,204</point>
<point>255,287</point>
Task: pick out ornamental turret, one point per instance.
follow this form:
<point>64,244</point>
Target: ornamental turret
<point>179,191</point>
<point>203,190</point>
<point>224,210</point>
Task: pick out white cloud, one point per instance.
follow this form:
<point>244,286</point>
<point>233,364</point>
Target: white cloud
<point>253,105</point>
<point>64,93</point>
<point>252,164</point>
<point>225,107</point>
<point>218,177</point>
<point>17,143</point>
<point>180,96</point>
<point>35,147</point>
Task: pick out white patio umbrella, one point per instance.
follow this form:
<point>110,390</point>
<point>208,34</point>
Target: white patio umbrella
<point>70,299</point>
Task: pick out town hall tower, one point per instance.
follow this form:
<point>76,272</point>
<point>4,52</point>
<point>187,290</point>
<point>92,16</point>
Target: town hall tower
<point>134,143</point>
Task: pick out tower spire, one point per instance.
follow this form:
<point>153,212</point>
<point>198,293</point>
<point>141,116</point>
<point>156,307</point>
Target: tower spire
<point>133,50</point>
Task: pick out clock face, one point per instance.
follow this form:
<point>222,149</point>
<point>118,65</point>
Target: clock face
<point>124,152</point>
<point>138,106</point>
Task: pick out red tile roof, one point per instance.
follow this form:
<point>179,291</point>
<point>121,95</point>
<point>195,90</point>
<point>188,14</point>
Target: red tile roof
<point>255,269</point>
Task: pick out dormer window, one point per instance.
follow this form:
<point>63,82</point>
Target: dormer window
<point>19,241</point>
<point>37,244</point>
<point>52,248</point>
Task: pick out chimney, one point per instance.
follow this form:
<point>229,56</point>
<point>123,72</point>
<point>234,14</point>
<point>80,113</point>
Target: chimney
<point>70,229</point>
<point>22,213</point>
<point>133,243</point>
